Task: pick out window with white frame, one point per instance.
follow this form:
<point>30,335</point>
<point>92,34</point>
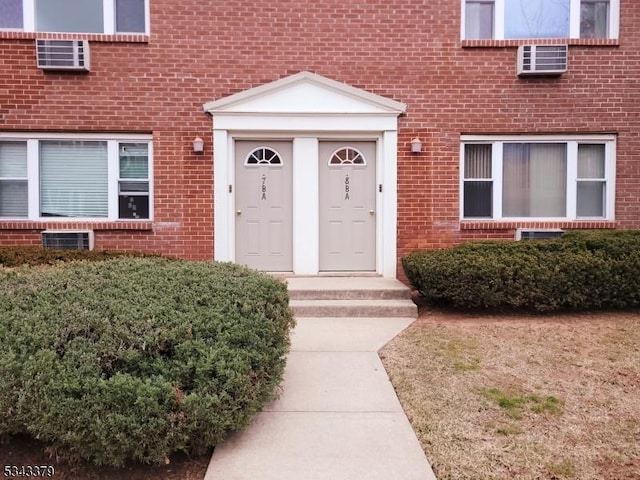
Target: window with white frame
<point>88,178</point>
<point>13,179</point>
<point>527,19</point>
<point>538,178</point>
<point>80,16</point>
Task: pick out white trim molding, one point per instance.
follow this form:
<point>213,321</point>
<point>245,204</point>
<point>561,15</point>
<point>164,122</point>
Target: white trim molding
<point>572,143</point>
<point>306,108</point>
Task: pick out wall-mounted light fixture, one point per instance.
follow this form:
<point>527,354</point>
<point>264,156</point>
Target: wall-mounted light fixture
<point>416,145</point>
<point>198,145</point>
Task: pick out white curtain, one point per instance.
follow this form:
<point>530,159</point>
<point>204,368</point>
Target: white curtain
<point>534,180</point>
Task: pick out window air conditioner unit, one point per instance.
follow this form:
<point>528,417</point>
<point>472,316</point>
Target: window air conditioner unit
<point>542,60</point>
<point>546,234</point>
<point>67,240</point>
<point>63,55</point>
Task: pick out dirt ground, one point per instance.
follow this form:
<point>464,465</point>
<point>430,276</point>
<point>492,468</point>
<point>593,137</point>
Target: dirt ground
<point>522,397</point>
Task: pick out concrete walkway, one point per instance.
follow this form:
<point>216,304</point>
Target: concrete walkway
<point>338,417</point>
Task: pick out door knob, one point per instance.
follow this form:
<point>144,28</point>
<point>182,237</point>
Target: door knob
<point>371,212</point>
<point>238,212</point>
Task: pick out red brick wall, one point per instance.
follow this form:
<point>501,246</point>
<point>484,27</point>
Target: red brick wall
<point>406,50</point>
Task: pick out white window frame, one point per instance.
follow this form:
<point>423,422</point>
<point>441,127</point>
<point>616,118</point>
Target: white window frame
<point>574,19</point>
<point>572,142</point>
<point>109,18</point>
<point>113,175</point>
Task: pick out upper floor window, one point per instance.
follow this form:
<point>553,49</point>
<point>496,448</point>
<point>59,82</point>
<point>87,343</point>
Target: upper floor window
<point>80,16</point>
<point>524,19</point>
<point>538,178</point>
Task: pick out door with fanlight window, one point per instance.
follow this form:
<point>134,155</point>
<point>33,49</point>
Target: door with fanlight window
<point>263,202</point>
<point>347,206</point>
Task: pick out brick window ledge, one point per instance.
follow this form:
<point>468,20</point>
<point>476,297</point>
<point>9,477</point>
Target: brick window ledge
<point>583,42</point>
<point>92,37</point>
<point>75,225</point>
<point>565,225</point>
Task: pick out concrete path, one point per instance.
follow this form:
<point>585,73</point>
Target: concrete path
<point>338,417</point>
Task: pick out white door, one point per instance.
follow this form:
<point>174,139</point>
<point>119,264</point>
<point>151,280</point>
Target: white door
<point>347,206</point>
<point>263,201</point>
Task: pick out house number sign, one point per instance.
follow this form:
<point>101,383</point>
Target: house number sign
<point>346,187</point>
<point>264,187</point>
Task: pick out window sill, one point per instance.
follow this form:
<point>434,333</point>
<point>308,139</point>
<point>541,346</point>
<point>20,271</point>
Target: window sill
<point>586,42</point>
<point>75,225</point>
<point>512,225</point>
<point>92,37</point>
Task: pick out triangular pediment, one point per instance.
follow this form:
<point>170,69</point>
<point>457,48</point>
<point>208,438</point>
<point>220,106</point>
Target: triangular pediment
<point>302,94</point>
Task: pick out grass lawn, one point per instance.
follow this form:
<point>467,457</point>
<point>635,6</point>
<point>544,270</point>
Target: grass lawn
<point>522,397</point>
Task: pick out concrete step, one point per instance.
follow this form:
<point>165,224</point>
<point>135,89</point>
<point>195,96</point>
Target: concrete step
<point>354,308</point>
<point>351,294</point>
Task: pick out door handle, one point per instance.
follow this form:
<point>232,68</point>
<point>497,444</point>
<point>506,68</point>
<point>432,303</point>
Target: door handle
<point>238,212</point>
<point>371,212</point>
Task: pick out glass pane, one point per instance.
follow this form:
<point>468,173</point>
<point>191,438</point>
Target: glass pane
<point>478,199</point>
<point>134,187</point>
<point>13,198</point>
<point>594,19</point>
<point>130,16</point>
<point>591,199</point>
<point>591,161</point>
<point>69,16</point>
<point>11,14</point>
<point>133,206</point>
<point>134,160</point>
<point>263,156</point>
<point>534,180</point>
<point>478,20</point>
<point>13,159</point>
<point>536,18</point>
<point>477,161</point>
<point>73,179</point>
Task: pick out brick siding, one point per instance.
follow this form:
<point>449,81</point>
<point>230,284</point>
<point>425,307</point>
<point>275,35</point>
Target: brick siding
<point>405,50</point>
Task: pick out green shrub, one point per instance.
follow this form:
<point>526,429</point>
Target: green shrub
<point>138,358</point>
<point>28,255</point>
<point>582,270</point>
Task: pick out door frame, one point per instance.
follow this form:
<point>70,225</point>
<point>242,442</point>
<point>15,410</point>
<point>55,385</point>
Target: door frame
<point>306,185</point>
<point>306,108</point>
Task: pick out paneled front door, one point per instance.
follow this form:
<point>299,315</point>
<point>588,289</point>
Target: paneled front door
<point>347,206</point>
<point>263,201</point>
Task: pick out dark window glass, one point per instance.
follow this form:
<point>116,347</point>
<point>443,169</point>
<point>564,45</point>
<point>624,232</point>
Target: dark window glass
<point>478,199</point>
<point>133,206</point>
<point>130,16</point>
<point>11,14</point>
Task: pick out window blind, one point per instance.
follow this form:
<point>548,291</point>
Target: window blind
<point>73,179</point>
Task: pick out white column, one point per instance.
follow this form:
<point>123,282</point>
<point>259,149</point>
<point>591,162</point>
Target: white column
<point>224,228</point>
<point>389,198</point>
<point>306,232</point>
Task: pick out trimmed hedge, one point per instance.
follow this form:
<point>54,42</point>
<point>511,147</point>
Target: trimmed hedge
<point>582,270</point>
<point>28,255</point>
<point>138,358</point>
